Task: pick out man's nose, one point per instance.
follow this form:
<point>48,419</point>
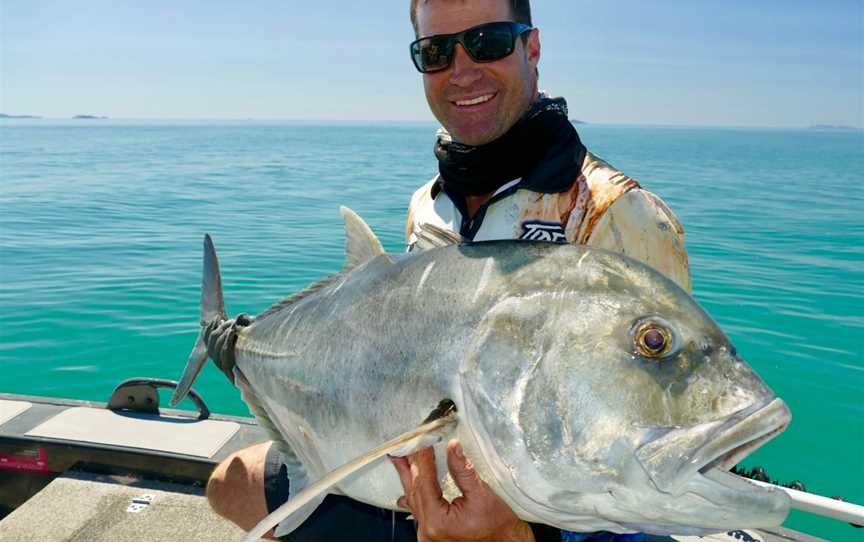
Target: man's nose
<point>464,70</point>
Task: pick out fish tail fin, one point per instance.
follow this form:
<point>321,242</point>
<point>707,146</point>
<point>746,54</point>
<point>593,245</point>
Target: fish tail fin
<point>212,311</point>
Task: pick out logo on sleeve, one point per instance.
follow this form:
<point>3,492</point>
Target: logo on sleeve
<point>543,231</point>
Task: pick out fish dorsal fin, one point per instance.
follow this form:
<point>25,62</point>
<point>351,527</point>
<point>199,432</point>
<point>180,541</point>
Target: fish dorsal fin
<point>406,443</point>
<point>361,244</point>
<point>430,236</point>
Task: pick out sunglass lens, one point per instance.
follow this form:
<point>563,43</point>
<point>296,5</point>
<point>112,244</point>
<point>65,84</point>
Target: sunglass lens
<point>432,54</point>
<point>490,42</point>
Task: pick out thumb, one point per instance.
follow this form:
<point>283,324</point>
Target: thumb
<point>462,471</point>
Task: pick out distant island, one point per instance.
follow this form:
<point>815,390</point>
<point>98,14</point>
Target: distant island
<point>77,117</point>
<point>574,121</point>
<point>831,127</point>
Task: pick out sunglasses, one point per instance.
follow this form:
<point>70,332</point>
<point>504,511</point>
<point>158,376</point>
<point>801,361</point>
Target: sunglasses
<point>484,43</point>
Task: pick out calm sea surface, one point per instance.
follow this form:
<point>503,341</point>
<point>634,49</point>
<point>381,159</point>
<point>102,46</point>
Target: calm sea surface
<point>100,251</point>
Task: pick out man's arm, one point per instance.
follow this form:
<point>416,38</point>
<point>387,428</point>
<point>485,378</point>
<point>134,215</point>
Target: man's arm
<point>235,490</point>
<point>421,197</point>
<point>640,225</point>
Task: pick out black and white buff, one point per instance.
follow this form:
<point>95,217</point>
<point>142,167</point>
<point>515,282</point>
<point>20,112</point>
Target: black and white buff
<point>542,146</point>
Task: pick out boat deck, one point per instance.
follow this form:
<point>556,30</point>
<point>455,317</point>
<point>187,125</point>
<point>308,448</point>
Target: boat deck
<point>86,507</point>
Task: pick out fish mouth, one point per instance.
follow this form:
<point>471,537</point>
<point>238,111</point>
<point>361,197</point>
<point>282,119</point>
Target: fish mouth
<point>743,433</point>
<point>731,458</point>
<point>672,460</point>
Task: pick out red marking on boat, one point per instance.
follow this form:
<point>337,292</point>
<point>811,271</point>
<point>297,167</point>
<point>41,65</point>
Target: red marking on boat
<point>32,461</point>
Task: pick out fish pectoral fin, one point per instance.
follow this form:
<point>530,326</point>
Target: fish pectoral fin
<point>445,409</point>
<point>361,244</point>
<point>416,444</point>
<point>430,236</point>
<point>301,514</point>
<point>440,419</point>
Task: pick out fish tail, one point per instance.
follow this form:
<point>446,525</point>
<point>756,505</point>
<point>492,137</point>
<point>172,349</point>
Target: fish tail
<point>212,312</point>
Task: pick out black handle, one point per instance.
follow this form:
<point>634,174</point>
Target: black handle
<point>139,395</point>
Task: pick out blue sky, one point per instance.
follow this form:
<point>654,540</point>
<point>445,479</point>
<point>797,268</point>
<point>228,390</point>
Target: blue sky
<point>703,62</point>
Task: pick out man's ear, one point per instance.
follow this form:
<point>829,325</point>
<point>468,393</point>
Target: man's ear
<point>532,48</point>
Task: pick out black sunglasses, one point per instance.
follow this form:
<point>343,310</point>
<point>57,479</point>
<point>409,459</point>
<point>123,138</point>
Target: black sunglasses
<point>484,43</point>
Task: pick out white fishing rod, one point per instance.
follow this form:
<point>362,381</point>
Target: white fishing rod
<point>822,506</point>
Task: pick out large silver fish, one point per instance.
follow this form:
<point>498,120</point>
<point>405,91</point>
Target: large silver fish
<point>592,393</point>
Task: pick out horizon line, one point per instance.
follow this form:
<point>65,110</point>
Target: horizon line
<point>582,122</point>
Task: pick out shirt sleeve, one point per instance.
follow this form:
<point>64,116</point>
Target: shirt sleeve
<point>640,225</point>
<point>422,197</point>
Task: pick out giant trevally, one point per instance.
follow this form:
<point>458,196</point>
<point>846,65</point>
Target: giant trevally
<point>591,392</point>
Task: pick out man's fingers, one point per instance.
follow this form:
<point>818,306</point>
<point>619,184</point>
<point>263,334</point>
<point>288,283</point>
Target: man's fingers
<point>214,333</point>
<point>424,476</point>
<point>462,471</point>
<point>210,335</point>
<point>224,326</point>
<point>244,320</point>
<point>423,467</point>
<point>403,469</point>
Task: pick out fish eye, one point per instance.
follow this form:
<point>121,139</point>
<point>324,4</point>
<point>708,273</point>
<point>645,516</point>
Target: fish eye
<point>653,339</point>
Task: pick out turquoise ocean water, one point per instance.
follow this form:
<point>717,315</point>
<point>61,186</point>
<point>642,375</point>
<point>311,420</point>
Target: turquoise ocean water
<point>100,251</point>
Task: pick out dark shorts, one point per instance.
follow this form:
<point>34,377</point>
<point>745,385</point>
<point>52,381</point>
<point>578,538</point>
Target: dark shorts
<point>338,518</point>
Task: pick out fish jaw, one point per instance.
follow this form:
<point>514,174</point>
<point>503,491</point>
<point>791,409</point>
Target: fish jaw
<point>674,458</point>
<point>715,501</point>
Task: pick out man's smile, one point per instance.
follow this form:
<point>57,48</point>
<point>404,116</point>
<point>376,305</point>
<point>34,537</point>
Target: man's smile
<point>475,101</point>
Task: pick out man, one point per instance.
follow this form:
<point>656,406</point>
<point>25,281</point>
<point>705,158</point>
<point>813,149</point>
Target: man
<point>511,166</point>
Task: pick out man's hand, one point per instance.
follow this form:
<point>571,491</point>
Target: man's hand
<point>479,515</point>
<point>221,338</point>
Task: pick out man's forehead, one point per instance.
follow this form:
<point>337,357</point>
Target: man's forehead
<point>448,16</point>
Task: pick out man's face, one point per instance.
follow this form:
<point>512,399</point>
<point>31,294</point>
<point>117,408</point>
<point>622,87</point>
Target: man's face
<point>505,88</point>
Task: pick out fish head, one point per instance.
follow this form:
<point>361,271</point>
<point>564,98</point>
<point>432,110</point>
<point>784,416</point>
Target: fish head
<point>606,397</point>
